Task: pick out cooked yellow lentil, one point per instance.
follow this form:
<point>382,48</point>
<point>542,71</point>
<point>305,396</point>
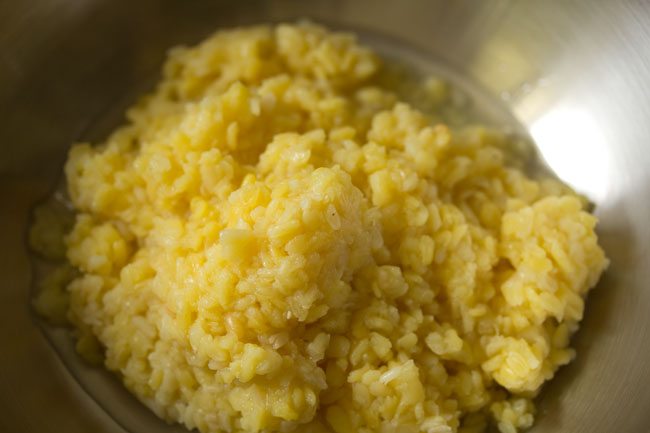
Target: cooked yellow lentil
<point>274,242</point>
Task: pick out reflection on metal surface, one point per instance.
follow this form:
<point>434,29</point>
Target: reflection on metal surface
<point>574,147</point>
<point>504,70</point>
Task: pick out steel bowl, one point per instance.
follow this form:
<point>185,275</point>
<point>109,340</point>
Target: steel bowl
<point>574,74</point>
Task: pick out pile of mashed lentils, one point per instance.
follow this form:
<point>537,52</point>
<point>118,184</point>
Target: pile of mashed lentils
<point>275,243</point>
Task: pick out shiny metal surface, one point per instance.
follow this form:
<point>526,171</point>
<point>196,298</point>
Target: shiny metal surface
<point>576,74</point>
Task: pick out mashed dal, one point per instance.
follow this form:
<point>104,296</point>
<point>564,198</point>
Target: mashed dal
<point>274,242</point>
